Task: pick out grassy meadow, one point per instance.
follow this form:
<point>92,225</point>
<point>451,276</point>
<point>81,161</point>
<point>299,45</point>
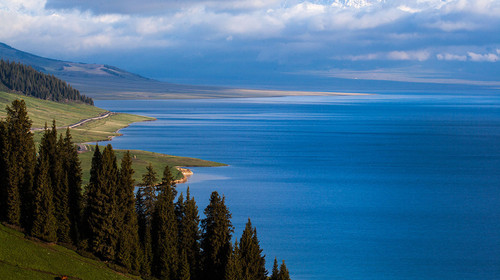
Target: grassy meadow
<point>22,258</point>
<point>42,111</point>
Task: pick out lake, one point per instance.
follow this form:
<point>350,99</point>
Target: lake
<point>383,186</point>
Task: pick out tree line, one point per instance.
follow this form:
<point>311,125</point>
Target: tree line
<point>137,227</point>
<point>18,77</point>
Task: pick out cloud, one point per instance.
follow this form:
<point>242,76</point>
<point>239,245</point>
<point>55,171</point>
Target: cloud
<point>409,55</point>
<point>450,26</point>
<point>309,33</point>
<point>401,75</point>
<point>414,55</point>
<point>451,57</point>
<point>489,57</point>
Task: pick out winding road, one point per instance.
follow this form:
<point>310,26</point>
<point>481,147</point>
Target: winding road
<point>81,122</point>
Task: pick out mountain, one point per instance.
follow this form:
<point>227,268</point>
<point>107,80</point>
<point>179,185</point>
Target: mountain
<point>102,81</point>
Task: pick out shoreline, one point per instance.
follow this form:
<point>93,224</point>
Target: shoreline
<point>227,93</point>
<point>186,172</point>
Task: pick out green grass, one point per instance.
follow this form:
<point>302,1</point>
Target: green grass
<point>103,129</point>
<point>21,258</point>
<point>141,159</point>
<point>44,111</point>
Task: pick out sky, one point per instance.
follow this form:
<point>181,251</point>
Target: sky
<point>316,45</point>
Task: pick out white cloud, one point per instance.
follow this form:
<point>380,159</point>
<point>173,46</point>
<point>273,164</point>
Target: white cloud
<point>410,10</point>
<point>489,57</point>
<point>353,27</point>
<point>451,57</point>
<point>409,55</point>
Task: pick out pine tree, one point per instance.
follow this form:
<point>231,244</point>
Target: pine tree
<point>44,221</point>
<point>61,192</point>
<point>149,181</point>
<point>251,254</point>
<point>105,234</point>
<point>216,238</point>
<point>73,174</point>
<point>164,236</point>
<point>146,198</point>
<point>51,149</point>
<point>100,213</point>
<point>284,274</point>
<point>144,233</point>
<point>275,272</point>
<point>168,180</point>
<point>19,154</point>
<point>189,233</point>
<point>92,203</point>
<point>179,214</point>
<point>234,269</point>
<point>184,271</point>
<point>3,170</point>
<point>128,248</point>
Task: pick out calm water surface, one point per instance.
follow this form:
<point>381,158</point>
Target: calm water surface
<point>368,187</point>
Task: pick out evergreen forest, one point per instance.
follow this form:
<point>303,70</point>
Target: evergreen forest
<point>144,228</point>
<point>24,79</point>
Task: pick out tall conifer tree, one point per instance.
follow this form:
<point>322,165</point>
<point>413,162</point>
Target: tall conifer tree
<point>146,198</point>
<point>104,233</point>
<point>50,149</point>
<point>3,170</point>
<point>234,269</point>
<point>275,272</point>
<point>168,180</point>
<point>44,221</point>
<point>216,238</point>
<point>128,248</point>
<point>164,236</point>
<point>149,187</point>
<point>284,274</point>
<point>19,152</point>
<point>251,254</point>
<point>61,192</point>
<point>91,196</point>
<point>73,174</point>
<point>101,207</point>
<point>184,273</point>
<point>189,233</point>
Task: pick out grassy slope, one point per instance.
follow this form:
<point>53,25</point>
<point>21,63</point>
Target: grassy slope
<point>21,258</point>
<point>100,130</point>
<point>41,111</point>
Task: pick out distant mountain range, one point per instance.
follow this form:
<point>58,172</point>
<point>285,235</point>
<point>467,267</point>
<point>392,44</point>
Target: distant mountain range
<point>101,81</point>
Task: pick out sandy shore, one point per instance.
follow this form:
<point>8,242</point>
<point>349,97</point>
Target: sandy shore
<point>186,173</point>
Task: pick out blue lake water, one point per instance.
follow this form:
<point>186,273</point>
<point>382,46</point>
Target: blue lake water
<point>364,187</point>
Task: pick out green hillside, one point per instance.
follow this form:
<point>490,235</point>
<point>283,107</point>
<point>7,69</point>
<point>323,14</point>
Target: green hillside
<point>21,258</point>
<point>43,111</point>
